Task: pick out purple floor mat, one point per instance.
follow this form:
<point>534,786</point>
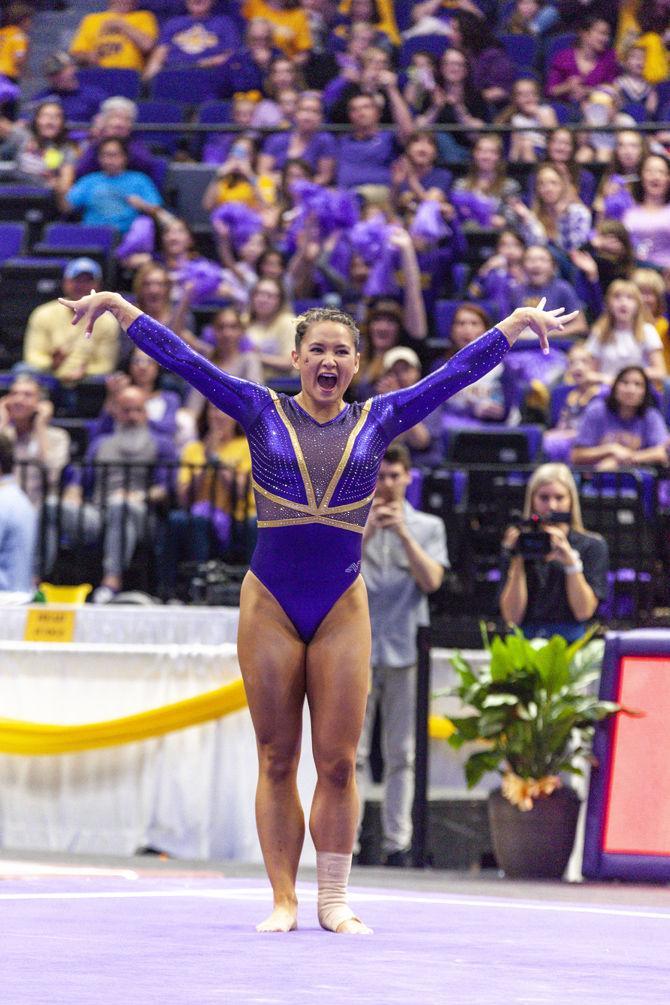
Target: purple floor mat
<point>190,941</point>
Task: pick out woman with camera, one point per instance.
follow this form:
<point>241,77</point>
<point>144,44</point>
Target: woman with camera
<point>554,573</point>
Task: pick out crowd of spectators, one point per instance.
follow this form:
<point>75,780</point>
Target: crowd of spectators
<point>428,167</point>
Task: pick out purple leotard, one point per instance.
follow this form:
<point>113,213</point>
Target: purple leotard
<point>314,482</point>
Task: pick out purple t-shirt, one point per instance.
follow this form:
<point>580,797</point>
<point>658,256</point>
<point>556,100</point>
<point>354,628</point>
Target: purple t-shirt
<point>321,145</point>
<point>564,65</point>
<point>366,162</point>
<point>557,291</point>
<point>599,426</point>
<point>190,39</point>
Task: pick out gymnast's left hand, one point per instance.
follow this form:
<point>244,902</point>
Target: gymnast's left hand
<point>537,321</point>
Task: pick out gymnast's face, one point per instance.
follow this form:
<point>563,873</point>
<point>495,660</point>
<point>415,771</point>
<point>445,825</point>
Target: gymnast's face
<point>327,361</point>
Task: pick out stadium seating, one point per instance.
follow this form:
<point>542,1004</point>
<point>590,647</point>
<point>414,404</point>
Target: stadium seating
<point>12,240</point>
<point>113,82</point>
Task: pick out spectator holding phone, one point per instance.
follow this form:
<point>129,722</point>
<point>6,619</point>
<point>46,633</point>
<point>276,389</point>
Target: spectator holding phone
<point>553,572</point>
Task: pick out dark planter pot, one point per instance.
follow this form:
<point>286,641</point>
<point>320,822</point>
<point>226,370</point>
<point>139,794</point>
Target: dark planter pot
<point>536,843</point>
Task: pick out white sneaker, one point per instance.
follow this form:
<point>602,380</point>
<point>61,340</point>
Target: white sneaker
<point>103,595</point>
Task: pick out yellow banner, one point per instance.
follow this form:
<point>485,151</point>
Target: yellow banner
<point>37,739</point>
<point>46,625</point>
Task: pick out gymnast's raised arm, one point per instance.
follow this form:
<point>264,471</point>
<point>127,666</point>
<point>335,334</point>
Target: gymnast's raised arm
<point>241,399</point>
<point>400,410</point>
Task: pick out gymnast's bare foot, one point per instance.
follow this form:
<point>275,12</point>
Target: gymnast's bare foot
<point>353,926</point>
<point>284,918</point>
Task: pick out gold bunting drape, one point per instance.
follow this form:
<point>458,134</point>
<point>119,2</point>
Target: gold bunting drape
<point>34,739</point>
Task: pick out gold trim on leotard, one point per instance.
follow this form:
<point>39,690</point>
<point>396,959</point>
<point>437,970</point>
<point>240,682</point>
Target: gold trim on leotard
<point>273,497</point>
<point>326,521</point>
<point>310,510</point>
<point>307,482</point>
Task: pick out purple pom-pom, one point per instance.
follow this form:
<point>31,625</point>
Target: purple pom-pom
<point>203,276</point>
<point>370,240</point>
<point>616,203</point>
<point>428,221</point>
<point>8,90</point>
<point>370,237</point>
<point>140,239</point>
<point>344,208</point>
<point>241,221</point>
<point>473,207</point>
<point>326,208</point>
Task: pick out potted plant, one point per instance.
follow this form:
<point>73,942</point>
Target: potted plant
<point>534,720</point>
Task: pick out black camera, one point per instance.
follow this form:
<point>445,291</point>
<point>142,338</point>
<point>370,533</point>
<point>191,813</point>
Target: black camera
<point>533,542</point>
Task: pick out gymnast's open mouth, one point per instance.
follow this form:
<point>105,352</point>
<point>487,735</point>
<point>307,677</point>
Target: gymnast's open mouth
<point>327,381</point>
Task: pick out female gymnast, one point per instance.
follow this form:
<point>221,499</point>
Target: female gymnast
<point>304,630</point>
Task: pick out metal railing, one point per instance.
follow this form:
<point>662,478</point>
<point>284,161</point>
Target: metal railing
<point>630,509</point>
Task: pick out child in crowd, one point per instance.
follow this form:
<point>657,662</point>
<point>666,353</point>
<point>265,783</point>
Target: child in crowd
<point>632,85</point>
<point>622,337</point>
<point>540,268</point>
<point>571,396</point>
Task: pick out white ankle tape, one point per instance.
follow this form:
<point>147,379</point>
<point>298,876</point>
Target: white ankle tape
<point>332,876</point>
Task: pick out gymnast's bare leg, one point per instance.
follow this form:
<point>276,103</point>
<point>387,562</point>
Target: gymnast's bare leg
<point>273,665</point>
<point>338,669</point>
<point>272,661</point>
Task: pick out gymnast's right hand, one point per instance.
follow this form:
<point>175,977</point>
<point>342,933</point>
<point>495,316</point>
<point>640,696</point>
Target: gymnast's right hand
<point>94,305</point>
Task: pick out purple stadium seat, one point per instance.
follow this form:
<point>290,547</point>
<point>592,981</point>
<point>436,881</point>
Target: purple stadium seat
<point>521,49</point>
<point>156,112</point>
<point>196,85</point>
<point>435,44</point>
<point>112,81</point>
<point>12,239</point>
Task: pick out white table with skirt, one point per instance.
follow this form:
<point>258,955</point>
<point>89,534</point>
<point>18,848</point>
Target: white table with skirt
<point>189,793</point>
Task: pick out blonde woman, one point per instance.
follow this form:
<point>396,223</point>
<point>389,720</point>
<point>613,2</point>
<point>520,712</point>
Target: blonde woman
<point>552,585</point>
<point>558,216</point>
<point>623,336</point>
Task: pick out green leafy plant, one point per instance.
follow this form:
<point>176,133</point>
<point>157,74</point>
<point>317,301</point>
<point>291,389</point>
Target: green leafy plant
<point>530,706</point>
